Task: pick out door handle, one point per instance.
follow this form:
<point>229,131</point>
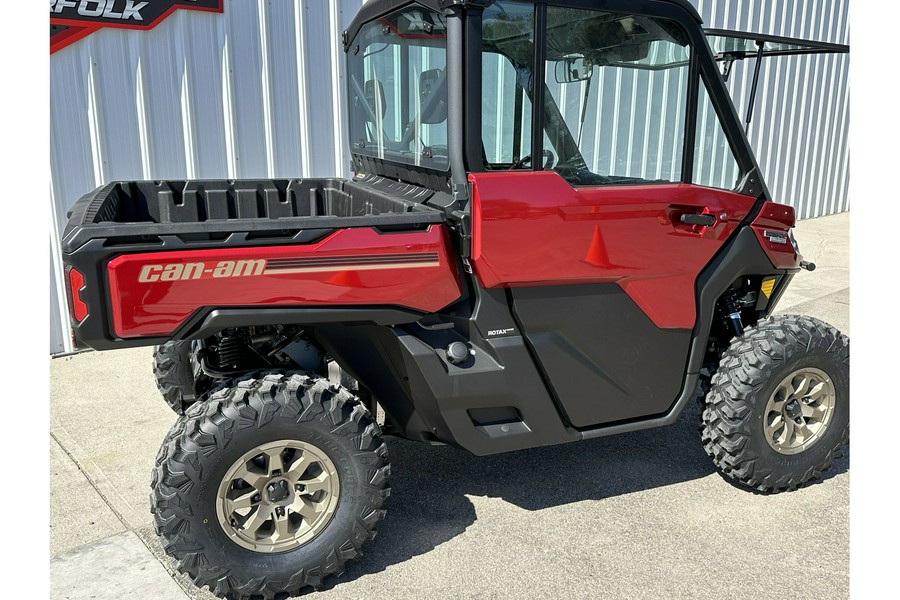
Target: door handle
<point>705,220</point>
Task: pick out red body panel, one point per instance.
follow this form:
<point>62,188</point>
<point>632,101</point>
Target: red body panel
<point>153,293</point>
<point>778,218</point>
<point>534,229</point>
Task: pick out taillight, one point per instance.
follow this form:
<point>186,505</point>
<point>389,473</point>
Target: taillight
<point>77,306</point>
<point>776,216</point>
<point>773,230</point>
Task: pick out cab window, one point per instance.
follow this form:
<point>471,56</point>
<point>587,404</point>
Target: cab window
<point>618,90</point>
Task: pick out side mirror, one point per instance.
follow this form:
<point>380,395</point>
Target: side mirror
<point>432,102</point>
<point>375,99</point>
<point>573,68</point>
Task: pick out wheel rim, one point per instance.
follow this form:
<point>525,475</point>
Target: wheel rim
<point>278,496</point>
<point>799,411</point>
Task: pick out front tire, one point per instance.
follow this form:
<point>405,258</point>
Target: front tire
<point>270,486</point>
<point>778,412</point>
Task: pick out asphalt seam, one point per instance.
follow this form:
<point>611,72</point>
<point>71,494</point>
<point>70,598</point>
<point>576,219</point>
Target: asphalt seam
<point>820,247</point>
<point>124,521</point>
<point>92,483</point>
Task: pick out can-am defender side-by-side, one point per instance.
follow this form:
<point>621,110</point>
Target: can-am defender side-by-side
<point>556,231</point>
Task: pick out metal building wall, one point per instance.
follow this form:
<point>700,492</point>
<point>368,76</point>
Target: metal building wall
<point>258,92</point>
<point>800,124</point>
<point>253,92</point>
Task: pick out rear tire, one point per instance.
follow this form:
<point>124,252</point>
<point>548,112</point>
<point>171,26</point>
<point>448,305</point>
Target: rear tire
<point>174,375</point>
<point>203,472</point>
<point>778,412</point>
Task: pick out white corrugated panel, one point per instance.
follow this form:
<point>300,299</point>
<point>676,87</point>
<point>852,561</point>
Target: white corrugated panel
<point>800,122</point>
<point>252,92</point>
<point>258,92</point>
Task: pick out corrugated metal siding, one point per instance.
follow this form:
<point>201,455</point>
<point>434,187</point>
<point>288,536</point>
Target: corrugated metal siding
<point>800,123</point>
<point>255,92</point>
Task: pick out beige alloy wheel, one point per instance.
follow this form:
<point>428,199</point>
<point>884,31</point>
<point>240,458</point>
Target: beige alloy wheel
<point>778,411</point>
<point>799,411</point>
<point>270,486</point>
<point>278,496</point>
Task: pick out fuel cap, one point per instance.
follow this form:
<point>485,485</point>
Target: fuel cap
<point>457,353</point>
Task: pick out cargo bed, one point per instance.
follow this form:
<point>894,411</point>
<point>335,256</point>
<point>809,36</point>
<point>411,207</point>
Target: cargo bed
<point>209,210</point>
<point>159,260</point>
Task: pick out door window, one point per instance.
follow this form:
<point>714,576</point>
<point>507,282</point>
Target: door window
<point>617,97</point>
<point>505,113</point>
<point>507,65</point>
<point>714,162</point>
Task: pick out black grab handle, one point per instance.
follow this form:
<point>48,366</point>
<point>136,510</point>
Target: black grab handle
<point>694,219</point>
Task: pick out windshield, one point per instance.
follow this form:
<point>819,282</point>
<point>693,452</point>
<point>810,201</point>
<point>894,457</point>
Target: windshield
<point>398,89</point>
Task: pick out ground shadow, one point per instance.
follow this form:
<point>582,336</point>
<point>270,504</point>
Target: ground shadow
<point>429,484</point>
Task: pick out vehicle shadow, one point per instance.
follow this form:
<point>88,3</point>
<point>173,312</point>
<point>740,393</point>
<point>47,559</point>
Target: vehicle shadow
<point>429,484</point>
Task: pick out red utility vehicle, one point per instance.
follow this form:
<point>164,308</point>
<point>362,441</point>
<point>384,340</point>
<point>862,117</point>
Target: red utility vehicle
<point>556,231</point>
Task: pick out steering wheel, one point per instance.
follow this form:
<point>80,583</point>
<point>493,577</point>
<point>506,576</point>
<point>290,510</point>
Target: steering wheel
<point>577,173</point>
<point>549,158</point>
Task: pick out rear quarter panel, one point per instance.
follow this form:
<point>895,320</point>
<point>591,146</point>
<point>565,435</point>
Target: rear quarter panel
<point>151,294</point>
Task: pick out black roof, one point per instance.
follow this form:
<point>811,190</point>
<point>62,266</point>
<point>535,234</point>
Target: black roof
<point>377,8</point>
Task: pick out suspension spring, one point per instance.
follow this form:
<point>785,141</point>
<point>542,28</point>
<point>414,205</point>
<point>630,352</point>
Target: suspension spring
<point>231,351</point>
<point>733,311</point>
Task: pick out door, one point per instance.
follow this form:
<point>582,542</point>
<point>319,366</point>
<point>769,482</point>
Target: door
<point>601,239</point>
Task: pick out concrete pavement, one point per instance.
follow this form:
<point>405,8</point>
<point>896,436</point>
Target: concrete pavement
<point>640,515</point>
